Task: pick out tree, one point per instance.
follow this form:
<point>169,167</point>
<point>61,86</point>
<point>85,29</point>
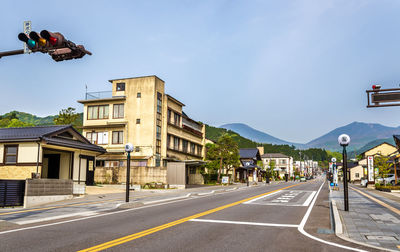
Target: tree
<point>67,116</point>
<point>383,165</point>
<point>223,155</point>
<point>15,123</point>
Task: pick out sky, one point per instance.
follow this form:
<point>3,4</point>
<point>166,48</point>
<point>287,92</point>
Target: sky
<point>293,69</point>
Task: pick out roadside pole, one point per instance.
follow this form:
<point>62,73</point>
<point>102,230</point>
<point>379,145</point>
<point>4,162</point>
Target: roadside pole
<point>344,140</point>
<point>128,149</point>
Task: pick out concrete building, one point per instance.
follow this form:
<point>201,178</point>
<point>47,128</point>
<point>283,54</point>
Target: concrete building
<point>138,111</point>
<point>283,163</point>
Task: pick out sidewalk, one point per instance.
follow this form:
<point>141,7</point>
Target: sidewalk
<point>367,221</point>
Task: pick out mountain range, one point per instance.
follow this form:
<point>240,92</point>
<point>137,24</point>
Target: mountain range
<point>362,135</point>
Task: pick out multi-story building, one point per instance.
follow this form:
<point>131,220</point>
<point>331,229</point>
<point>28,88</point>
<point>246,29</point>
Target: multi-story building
<point>283,164</point>
<point>138,111</point>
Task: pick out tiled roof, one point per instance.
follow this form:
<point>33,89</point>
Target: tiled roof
<point>29,133</point>
<point>274,155</point>
<point>249,153</point>
<point>46,133</point>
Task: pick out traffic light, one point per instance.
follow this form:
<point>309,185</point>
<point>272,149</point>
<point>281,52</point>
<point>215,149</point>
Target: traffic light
<point>53,43</point>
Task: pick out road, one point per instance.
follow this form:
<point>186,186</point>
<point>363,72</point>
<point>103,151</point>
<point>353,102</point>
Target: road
<point>284,217</point>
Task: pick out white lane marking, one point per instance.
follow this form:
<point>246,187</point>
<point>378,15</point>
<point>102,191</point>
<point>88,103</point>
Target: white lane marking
<point>245,223</point>
<point>105,214</point>
<point>307,202</point>
<point>305,218</point>
<point>262,197</point>
<point>23,222</point>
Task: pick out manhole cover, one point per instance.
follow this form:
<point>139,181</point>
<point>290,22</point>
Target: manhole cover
<point>381,237</point>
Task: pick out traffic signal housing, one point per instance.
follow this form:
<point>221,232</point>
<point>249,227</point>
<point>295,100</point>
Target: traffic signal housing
<point>53,43</point>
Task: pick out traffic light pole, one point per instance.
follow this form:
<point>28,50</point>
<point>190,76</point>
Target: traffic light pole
<point>11,53</point>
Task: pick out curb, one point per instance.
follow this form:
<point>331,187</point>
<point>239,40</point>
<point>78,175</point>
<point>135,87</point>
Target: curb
<point>340,233</point>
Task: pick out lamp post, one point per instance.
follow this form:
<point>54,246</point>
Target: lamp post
<point>128,149</point>
<point>344,140</point>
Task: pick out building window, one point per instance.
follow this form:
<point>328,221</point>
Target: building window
<point>192,148</point>
<point>117,137</point>
<point>199,150</point>
<point>97,137</point>
<point>137,149</point>
<point>158,129</point>
<point>121,86</point>
<point>139,95</point>
<point>158,162</point>
<point>158,146</point>
<point>357,175</point>
<point>177,119</point>
<point>176,143</point>
<point>10,154</point>
<point>185,144</point>
<point>169,116</point>
<point>118,111</point>
<point>97,112</point>
<point>192,170</point>
<point>138,121</point>
<point>159,102</point>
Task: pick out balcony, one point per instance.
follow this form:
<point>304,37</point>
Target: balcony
<point>102,96</point>
<point>98,95</point>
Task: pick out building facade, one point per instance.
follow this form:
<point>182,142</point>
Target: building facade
<point>283,163</point>
<point>138,111</point>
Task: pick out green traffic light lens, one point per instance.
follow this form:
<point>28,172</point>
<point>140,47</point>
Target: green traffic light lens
<point>31,43</point>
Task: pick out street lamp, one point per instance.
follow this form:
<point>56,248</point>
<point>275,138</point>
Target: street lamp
<point>344,140</point>
<point>334,171</point>
<point>128,149</point>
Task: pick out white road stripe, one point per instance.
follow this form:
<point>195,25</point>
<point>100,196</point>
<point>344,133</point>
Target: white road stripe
<point>23,222</point>
<point>245,223</point>
<point>307,202</point>
<point>262,197</point>
<point>305,218</point>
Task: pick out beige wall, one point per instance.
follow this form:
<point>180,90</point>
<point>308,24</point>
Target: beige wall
<point>17,172</point>
<point>358,169</point>
<point>383,149</point>
<point>27,152</point>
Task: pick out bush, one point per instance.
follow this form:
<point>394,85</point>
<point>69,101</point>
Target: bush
<point>387,188</point>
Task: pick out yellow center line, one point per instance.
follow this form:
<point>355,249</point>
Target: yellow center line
<point>134,236</point>
<point>393,209</point>
<point>53,207</point>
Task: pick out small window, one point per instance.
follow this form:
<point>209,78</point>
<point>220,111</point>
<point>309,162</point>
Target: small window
<point>139,95</point>
<point>118,111</point>
<point>192,170</point>
<point>137,149</point>
<point>158,162</point>
<point>117,137</point>
<point>138,121</point>
<point>10,154</point>
<point>121,86</point>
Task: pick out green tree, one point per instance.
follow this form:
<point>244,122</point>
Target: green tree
<point>15,123</point>
<point>67,116</point>
<point>223,154</point>
<point>270,168</point>
<point>383,165</point>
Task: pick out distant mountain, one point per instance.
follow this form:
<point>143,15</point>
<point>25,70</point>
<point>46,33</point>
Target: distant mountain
<point>31,119</point>
<point>256,135</point>
<point>360,133</point>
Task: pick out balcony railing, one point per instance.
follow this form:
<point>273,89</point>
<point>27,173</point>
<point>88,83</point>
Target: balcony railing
<point>98,95</point>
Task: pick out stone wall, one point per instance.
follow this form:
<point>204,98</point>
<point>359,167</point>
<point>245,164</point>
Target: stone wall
<point>42,191</point>
<point>139,175</point>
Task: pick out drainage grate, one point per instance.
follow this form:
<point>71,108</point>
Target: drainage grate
<point>381,237</point>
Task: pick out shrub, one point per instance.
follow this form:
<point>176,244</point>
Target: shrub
<point>387,188</point>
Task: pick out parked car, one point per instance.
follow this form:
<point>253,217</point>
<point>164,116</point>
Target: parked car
<point>302,179</point>
<point>364,181</point>
<point>390,179</point>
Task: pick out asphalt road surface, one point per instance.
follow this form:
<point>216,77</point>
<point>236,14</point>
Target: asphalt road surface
<point>284,217</point>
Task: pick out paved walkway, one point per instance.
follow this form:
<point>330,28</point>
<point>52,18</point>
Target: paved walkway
<point>367,221</point>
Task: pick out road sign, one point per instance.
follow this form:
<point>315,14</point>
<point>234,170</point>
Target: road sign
<point>383,97</point>
<point>370,166</point>
<point>27,29</point>
<point>225,180</point>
